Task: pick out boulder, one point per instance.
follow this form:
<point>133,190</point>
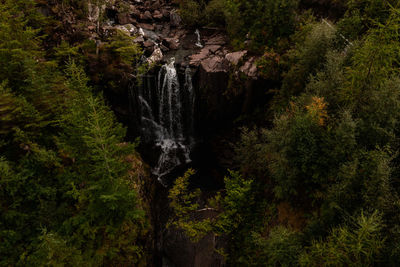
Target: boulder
<point>128,29</point>
<point>250,68</point>
<point>172,43</point>
<point>139,39</point>
<point>235,57</point>
<point>147,26</point>
<point>217,39</point>
<point>196,59</point>
<point>156,56</point>
<point>151,35</point>
<point>146,16</point>
<point>157,15</point>
<point>148,44</point>
<point>215,64</point>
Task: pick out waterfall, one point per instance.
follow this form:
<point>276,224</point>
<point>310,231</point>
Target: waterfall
<point>198,43</point>
<point>191,97</point>
<point>166,115</point>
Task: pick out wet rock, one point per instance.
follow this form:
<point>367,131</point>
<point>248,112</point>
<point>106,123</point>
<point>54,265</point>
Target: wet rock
<point>151,35</point>
<point>235,57</point>
<point>156,56</point>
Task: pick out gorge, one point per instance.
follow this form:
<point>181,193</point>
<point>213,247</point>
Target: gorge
<point>191,133</point>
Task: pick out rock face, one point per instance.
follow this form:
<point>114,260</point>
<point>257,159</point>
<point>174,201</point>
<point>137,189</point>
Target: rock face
<point>225,83</point>
<point>235,57</point>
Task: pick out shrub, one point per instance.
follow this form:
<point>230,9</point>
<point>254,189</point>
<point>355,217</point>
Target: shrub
<point>358,245</point>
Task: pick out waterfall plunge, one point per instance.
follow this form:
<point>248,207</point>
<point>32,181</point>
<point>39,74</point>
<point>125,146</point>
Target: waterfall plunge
<point>167,117</point>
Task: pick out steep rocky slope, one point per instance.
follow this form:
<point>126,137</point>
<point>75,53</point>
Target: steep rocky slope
<point>225,83</point>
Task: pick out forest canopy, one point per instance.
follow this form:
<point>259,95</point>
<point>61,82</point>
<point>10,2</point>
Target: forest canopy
<point>315,175</point>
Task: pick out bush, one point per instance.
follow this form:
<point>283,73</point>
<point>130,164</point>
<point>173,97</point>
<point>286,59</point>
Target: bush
<point>264,22</point>
<point>281,248</point>
<point>358,245</point>
<point>192,12</point>
<point>309,55</point>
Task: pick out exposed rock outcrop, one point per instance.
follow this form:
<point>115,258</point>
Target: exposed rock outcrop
<point>226,85</point>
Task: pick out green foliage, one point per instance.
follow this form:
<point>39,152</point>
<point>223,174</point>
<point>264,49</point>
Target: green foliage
<point>252,153</point>
<point>66,199</point>
<point>185,204</point>
<point>237,213</point>
<point>362,15</point>
<point>358,245</point>
<point>54,251</point>
<point>191,11</point>
<point>374,60</point>
<point>333,150</point>
<point>235,203</point>
<point>300,149</point>
<point>264,23</point>
<point>215,13</point>
<point>122,45</point>
<point>306,58</point>
<point>19,43</point>
<point>281,248</point>
<point>105,204</point>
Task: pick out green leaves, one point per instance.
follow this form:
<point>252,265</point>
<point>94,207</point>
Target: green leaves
<point>104,201</point>
<point>358,245</point>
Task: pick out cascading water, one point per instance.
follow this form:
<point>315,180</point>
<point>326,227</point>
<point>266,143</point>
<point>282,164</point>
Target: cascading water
<point>166,117</point>
<point>198,43</point>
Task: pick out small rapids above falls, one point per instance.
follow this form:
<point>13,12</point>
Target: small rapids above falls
<point>164,108</point>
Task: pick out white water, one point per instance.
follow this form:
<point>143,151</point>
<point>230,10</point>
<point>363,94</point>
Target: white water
<point>162,119</point>
<point>141,32</point>
<point>198,43</point>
